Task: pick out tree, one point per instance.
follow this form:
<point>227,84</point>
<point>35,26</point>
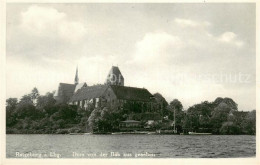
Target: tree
<point>11,103</point>
<point>230,102</point>
<point>26,99</point>
<point>176,106</point>
<point>187,123</point>
<point>198,117</point>
<point>34,95</point>
<point>66,112</point>
<point>28,110</point>
<point>229,128</point>
<point>238,118</point>
<point>162,104</point>
<point>94,119</point>
<point>191,119</point>
<point>219,116</point>
<point>105,119</point>
<point>218,100</point>
<point>249,123</point>
<point>45,101</point>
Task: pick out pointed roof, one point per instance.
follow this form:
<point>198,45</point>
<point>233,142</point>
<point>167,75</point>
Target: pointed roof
<point>79,86</point>
<point>76,80</point>
<point>115,70</point>
<point>115,77</point>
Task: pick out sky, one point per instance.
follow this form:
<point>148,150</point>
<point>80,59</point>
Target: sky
<point>190,52</point>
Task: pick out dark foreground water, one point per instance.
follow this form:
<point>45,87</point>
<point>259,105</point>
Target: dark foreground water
<point>130,146</point>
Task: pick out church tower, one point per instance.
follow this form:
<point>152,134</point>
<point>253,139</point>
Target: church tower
<point>115,77</point>
<point>76,80</point>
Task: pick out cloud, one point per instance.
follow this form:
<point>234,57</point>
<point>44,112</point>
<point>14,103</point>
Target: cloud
<point>154,45</point>
<point>230,37</point>
<point>186,22</point>
<point>49,22</point>
<point>44,34</point>
<point>192,47</point>
<point>160,50</point>
<point>188,64</point>
<point>190,23</point>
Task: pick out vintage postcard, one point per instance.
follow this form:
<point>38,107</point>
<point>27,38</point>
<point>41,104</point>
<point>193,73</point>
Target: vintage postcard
<point>111,82</point>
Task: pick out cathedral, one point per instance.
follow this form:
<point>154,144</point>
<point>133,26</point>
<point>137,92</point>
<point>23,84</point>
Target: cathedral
<point>112,93</point>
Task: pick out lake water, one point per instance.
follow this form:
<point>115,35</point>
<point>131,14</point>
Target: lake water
<point>130,146</point>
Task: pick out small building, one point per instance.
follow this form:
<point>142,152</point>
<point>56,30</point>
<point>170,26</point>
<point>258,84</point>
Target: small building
<point>129,125</point>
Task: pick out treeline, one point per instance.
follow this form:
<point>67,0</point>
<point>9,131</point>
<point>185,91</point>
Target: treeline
<point>218,117</point>
<point>40,114</point>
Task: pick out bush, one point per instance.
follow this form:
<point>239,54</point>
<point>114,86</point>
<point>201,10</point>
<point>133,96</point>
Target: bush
<point>229,128</point>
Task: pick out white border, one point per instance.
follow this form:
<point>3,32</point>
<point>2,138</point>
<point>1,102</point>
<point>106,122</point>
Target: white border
<point>199,161</point>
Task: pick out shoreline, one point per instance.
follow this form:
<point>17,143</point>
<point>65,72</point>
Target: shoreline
<point>127,134</point>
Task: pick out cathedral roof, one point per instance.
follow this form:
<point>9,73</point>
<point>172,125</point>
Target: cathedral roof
<point>131,93</point>
<point>65,89</point>
<point>89,92</point>
<point>121,92</point>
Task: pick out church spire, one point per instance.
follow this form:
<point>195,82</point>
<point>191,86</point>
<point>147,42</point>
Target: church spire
<point>76,80</point>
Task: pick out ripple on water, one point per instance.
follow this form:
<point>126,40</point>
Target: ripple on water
<point>163,146</point>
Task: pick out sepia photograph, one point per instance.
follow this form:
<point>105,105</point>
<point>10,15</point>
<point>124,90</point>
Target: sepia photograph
<point>130,80</point>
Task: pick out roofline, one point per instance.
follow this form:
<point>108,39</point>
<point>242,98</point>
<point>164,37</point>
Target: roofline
<point>150,100</point>
<point>67,83</point>
<point>70,100</point>
<point>129,87</point>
